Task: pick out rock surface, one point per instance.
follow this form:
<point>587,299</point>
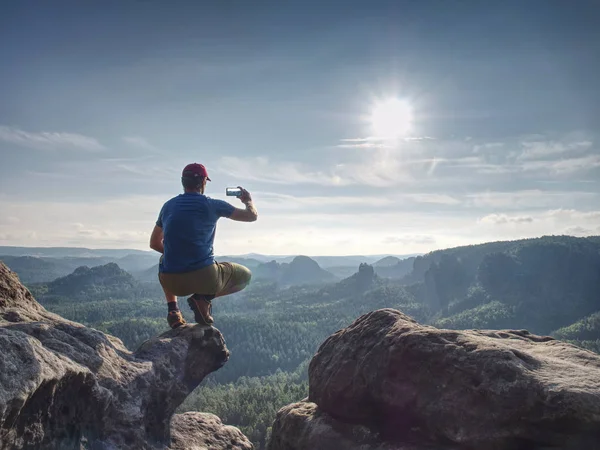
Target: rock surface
<point>418,385</point>
<point>304,425</point>
<point>202,431</point>
<point>66,386</point>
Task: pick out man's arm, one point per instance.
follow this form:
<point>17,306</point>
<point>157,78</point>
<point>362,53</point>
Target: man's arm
<point>156,239</point>
<point>245,215</point>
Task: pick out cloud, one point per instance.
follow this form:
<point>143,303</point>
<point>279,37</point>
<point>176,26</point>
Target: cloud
<point>529,199</point>
<point>364,145</point>
<point>139,142</point>
<point>425,162</point>
<point>122,222</point>
<point>49,140</point>
<point>578,231</point>
<point>573,214</point>
<point>263,169</point>
<point>111,170</point>
<point>276,203</point>
<point>504,218</point>
<point>410,239</point>
<point>440,199</point>
<point>549,222</point>
<point>546,158</point>
<point>376,167</point>
<point>544,150</point>
<point>378,142</point>
<point>564,166</point>
<point>415,196</point>
<point>308,204</point>
<point>379,139</point>
<point>9,220</point>
<point>482,148</point>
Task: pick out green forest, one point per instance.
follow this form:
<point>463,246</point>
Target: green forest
<point>549,285</point>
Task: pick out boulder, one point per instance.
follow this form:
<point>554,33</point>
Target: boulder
<point>63,385</point>
<point>303,426</point>
<point>418,385</point>
<point>202,431</point>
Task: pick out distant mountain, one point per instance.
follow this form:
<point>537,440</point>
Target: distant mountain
<point>387,267</point>
<point>387,261</point>
<point>32,269</point>
<point>325,262</point>
<point>148,275</point>
<point>364,279</point>
<point>304,270</point>
<point>103,282</point>
<point>393,267</point>
<point>255,256</point>
<point>73,262</point>
<point>540,284</point>
<point>36,269</point>
<point>61,252</point>
<point>270,271</point>
<point>300,271</point>
<point>250,263</point>
<point>342,272</point>
<point>135,262</point>
<point>346,261</point>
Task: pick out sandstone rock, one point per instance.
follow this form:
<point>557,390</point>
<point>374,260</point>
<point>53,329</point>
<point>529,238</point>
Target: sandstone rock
<point>66,386</point>
<point>202,431</point>
<point>475,389</point>
<point>303,426</point>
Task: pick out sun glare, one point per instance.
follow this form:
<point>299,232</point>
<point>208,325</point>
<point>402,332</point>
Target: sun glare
<point>391,118</point>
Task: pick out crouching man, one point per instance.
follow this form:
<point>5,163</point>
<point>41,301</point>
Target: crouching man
<point>184,233</point>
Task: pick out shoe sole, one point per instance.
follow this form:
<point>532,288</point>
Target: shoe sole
<point>192,302</point>
<point>176,325</point>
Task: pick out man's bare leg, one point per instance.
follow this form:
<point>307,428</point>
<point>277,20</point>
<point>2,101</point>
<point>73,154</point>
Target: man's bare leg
<point>170,297</point>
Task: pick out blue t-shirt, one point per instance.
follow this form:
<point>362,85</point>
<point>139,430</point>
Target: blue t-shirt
<point>189,222</point>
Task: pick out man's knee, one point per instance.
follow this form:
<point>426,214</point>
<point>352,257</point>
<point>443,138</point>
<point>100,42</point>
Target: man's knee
<point>246,276</point>
<point>240,277</point>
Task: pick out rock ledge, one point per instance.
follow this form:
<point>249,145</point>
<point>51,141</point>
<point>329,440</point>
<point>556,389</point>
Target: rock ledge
<point>66,386</point>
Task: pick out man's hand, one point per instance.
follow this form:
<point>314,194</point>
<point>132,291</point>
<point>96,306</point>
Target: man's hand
<point>245,215</point>
<point>245,197</point>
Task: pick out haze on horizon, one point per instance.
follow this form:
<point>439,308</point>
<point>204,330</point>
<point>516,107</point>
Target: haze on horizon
<point>382,127</point>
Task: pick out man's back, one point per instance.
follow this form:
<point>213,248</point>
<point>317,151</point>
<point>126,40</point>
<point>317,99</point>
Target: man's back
<point>189,223</point>
<point>184,233</point>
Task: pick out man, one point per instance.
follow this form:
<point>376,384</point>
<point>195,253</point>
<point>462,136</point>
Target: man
<point>184,233</point>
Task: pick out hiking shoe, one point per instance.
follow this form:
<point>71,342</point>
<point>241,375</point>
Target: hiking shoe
<point>175,319</point>
<point>202,308</point>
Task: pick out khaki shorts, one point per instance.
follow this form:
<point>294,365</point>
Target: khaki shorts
<point>216,279</point>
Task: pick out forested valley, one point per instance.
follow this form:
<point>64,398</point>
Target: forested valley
<point>549,286</point>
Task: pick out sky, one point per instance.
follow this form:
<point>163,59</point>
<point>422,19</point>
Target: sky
<point>103,103</point>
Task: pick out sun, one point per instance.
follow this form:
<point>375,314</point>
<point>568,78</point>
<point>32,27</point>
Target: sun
<point>391,118</point>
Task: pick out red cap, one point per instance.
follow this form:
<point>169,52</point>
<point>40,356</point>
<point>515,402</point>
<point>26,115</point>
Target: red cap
<point>195,170</point>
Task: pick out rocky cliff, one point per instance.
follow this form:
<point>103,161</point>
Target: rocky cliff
<point>65,386</point>
<point>388,383</point>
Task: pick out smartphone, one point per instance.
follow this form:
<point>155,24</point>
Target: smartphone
<point>233,192</point>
